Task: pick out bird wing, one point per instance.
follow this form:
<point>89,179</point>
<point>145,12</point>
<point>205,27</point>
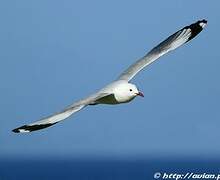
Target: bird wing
<point>53,119</point>
<point>172,42</point>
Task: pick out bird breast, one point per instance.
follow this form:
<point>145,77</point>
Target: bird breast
<point>123,98</point>
<point>114,99</point>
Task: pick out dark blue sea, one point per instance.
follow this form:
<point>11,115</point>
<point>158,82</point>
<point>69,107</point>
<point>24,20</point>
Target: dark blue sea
<point>100,169</point>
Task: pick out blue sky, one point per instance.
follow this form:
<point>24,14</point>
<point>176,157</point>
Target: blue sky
<point>56,52</point>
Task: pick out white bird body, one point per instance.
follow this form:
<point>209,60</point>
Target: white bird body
<point>121,90</point>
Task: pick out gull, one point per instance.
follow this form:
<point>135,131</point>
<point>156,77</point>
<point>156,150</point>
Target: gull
<point>121,90</point>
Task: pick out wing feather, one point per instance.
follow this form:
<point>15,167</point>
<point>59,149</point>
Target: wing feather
<point>172,42</point>
<point>53,119</point>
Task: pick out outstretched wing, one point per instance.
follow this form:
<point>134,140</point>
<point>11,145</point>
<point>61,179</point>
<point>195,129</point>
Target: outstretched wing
<point>51,120</point>
<point>174,41</point>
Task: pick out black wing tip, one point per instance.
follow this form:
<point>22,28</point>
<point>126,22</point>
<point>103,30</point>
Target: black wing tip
<point>16,130</point>
<point>22,129</point>
<point>196,28</point>
<point>30,128</point>
<point>204,21</point>
<point>199,23</point>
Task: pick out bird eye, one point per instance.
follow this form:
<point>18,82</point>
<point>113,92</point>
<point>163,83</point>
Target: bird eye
<point>130,89</point>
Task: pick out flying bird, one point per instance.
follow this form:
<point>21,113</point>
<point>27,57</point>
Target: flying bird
<point>121,90</point>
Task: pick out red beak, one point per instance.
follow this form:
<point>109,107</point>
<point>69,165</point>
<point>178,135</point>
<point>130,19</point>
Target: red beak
<point>140,94</point>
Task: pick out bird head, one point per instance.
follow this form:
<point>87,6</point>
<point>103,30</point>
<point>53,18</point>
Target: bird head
<point>126,92</point>
<point>133,91</point>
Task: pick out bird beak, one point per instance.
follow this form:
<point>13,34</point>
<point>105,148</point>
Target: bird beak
<point>140,94</point>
